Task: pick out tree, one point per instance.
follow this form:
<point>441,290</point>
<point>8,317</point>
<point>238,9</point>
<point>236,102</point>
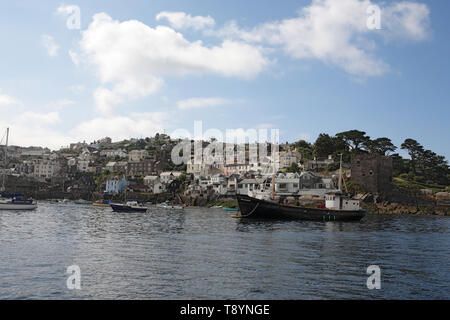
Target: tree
<point>354,139</point>
<point>304,148</point>
<point>381,146</point>
<point>294,168</point>
<point>415,150</point>
<point>326,145</point>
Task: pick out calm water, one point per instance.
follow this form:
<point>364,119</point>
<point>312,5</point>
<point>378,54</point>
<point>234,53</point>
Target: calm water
<point>205,254</point>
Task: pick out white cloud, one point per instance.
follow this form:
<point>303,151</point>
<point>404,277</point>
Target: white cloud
<point>49,43</point>
<point>6,100</point>
<point>61,104</point>
<point>181,20</point>
<point>202,103</point>
<point>121,127</point>
<point>134,57</point>
<point>106,100</point>
<point>77,89</point>
<point>336,32</point>
<point>39,118</point>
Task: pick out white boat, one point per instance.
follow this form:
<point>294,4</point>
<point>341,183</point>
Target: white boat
<point>17,204</point>
<point>13,201</point>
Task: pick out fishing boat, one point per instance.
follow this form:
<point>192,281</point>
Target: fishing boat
<point>129,206</point>
<point>13,201</point>
<point>166,205</point>
<point>102,203</point>
<point>338,207</point>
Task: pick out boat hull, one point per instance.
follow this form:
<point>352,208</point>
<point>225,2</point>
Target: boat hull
<point>252,208</point>
<point>125,208</point>
<point>14,206</point>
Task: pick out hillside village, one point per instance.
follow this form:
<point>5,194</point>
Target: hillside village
<point>143,167</point>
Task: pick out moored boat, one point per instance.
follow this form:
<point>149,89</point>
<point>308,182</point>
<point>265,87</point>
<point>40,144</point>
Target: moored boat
<point>253,208</point>
<point>337,207</point>
<point>83,202</point>
<point>16,203</point>
<point>102,203</point>
<point>13,201</point>
<point>130,206</point>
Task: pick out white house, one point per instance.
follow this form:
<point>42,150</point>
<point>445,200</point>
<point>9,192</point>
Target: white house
<point>169,176</point>
<point>45,169</point>
<point>137,155</point>
<point>111,153</point>
<point>154,184</point>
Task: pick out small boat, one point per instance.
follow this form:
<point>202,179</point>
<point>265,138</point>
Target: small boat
<point>15,202</point>
<point>102,203</point>
<point>230,209</point>
<point>216,207</point>
<point>130,206</point>
<point>166,205</point>
<point>81,201</point>
<point>12,201</point>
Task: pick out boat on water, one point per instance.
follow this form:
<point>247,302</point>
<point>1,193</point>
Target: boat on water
<point>81,201</point>
<point>166,205</point>
<point>129,206</point>
<point>338,207</point>
<point>16,202</point>
<point>230,209</point>
<point>102,203</point>
<point>13,201</point>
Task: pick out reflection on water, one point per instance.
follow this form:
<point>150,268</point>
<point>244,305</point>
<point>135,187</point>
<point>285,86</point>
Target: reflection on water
<point>205,254</point>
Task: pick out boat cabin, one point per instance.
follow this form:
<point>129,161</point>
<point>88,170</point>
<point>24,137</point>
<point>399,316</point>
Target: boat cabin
<point>338,201</point>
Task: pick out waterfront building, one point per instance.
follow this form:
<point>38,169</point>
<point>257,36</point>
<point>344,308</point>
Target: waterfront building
<point>140,168</point>
<point>45,169</point>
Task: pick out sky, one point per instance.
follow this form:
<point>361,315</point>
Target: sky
<point>131,69</point>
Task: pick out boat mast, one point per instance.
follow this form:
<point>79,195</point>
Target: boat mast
<point>6,158</point>
<point>340,173</point>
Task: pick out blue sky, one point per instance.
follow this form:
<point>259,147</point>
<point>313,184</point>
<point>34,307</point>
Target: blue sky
<point>304,67</point>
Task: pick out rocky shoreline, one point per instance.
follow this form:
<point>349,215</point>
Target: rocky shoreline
<point>395,208</point>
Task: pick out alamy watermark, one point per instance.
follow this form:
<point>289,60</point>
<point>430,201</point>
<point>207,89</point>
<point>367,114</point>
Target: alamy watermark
<point>374,279</point>
<point>227,148</point>
<point>74,280</point>
<point>73,14</point>
<point>373,21</point>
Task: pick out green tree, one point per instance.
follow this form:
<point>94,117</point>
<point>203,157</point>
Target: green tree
<point>381,146</point>
<point>354,139</point>
<point>294,168</point>
<point>415,150</point>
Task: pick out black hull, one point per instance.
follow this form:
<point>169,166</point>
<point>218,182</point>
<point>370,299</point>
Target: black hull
<point>252,208</point>
<point>124,208</point>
